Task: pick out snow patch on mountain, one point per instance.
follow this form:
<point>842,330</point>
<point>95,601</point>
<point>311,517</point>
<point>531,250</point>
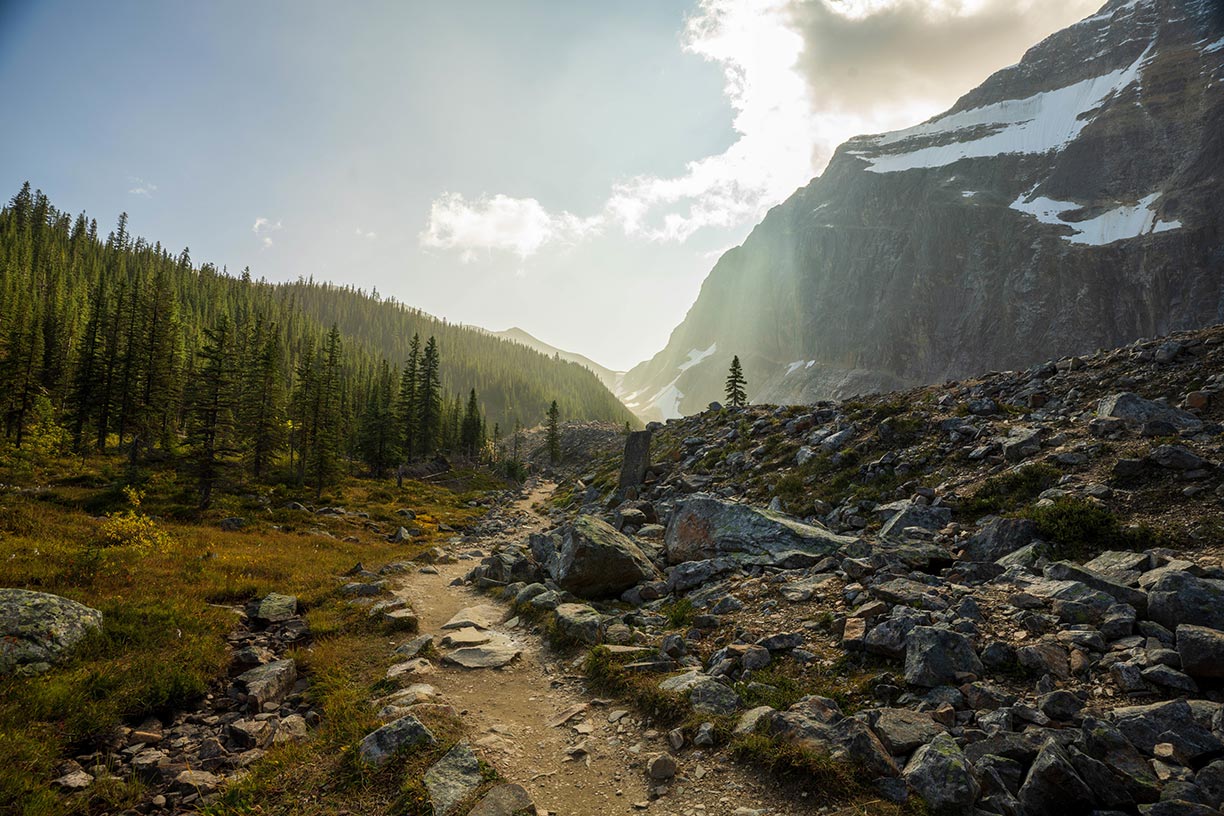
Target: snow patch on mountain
<point>695,356</point>
<point>1040,123</point>
<point>1117,224</point>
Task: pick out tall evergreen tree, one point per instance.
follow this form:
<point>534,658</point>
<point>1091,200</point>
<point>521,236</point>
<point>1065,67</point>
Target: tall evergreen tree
<point>263,401</point>
<point>212,407</point>
<point>472,433</point>
<point>429,399</point>
<point>328,418</point>
<point>406,405</point>
<point>736,396</point>
<point>377,437</point>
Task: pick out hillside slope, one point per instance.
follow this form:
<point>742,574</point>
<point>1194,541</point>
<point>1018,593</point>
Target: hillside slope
<point>65,288</point>
<point>1070,202</point>
<point>611,379</point>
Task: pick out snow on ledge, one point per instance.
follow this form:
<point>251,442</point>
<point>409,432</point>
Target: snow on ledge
<point>1118,224</point>
<point>1046,121</point>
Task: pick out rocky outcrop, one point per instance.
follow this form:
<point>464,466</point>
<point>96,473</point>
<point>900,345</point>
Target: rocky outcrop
<point>1038,217</point>
<point>38,630</point>
<point>705,527</point>
<point>596,561</point>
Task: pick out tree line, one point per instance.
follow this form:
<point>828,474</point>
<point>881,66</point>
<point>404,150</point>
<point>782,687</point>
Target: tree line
<point>114,343</point>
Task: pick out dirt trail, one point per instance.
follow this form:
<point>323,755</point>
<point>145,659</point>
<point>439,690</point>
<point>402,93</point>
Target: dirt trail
<point>587,766</point>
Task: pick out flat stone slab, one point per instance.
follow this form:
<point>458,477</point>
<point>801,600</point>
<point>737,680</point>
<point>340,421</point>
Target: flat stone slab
<point>485,616</point>
<point>503,800</point>
<point>467,636</point>
<point>487,656</point>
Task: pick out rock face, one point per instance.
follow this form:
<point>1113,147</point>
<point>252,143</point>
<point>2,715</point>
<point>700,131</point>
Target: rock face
<point>705,527</point>
<point>38,630</point>
<point>596,561</point>
<point>1038,216</point>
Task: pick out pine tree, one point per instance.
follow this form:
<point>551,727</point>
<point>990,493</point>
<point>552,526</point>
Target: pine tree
<point>472,433</point>
<point>429,399</point>
<point>736,396</point>
<point>406,406</point>
<point>263,404</point>
<point>554,433</point>
<point>212,407</point>
<point>328,418</point>
<point>377,437</point>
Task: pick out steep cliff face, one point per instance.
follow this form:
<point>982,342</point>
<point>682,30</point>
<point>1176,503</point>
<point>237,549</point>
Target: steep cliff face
<point>1072,201</point>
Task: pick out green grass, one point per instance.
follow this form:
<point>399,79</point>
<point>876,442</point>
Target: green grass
<point>1078,529</point>
<point>162,643</point>
<point>1009,491</point>
<point>606,675</point>
<point>679,613</point>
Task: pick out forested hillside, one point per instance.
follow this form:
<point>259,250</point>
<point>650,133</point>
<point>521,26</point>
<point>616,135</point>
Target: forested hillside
<point>112,341</point>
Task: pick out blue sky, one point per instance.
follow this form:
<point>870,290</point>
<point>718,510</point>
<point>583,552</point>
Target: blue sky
<point>571,168</point>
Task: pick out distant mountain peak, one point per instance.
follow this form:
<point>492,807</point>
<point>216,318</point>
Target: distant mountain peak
<point>1071,201</point>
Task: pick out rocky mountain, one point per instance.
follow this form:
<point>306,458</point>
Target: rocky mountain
<point>1070,202</point>
<point>611,379</point>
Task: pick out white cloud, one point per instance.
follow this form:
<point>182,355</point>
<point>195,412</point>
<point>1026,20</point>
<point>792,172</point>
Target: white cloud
<point>802,76</point>
<point>360,233</point>
<point>262,227</point>
<point>141,187</point>
<point>518,225</point>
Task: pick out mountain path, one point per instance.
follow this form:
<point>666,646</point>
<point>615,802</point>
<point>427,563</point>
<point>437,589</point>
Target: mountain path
<point>587,765</point>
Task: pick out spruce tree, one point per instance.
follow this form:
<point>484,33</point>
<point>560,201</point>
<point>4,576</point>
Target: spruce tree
<point>263,406</point>
<point>472,431</point>
<point>377,435</point>
<point>429,399</point>
<point>406,406</point>
<point>328,416</point>
<point>736,396</point>
<point>554,433</point>
<point>212,407</point>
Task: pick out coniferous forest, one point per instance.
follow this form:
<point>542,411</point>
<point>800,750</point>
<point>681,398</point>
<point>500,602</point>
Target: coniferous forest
<point>112,343</point>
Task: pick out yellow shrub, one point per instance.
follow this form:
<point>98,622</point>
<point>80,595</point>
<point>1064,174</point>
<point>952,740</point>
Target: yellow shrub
<point>131,528</point>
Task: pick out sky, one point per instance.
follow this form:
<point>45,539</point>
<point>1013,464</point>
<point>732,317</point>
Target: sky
<point>571,168</point>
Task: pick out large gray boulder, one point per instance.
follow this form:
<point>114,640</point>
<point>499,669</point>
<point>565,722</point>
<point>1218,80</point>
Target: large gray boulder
<point>579,622</point>
<point>707,527</point>
<point>1053,785</point>
<point>817,723</point>
<point>380,746</point>
<point>1146,726</point>
<point>596,561</point>
<point>1179,597</point>
<point>1000,537</point>
<point>1201,650</point>
<point>1136,410</point>
<point>908,514</point>
<point>939,657</point>
<point>269,683</point>
<point>452,779</point>
<point>38,630</point>
<point>940,773</point>
<point>273,608</point>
